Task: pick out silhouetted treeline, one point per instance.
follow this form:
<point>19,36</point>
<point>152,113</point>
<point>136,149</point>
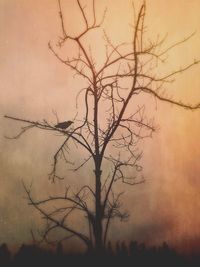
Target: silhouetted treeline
<point>134,254</point>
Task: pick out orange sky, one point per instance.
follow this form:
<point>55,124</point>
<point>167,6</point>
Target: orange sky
<point>33,83</point>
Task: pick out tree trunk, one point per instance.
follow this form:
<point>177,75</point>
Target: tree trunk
<point>98,214</point>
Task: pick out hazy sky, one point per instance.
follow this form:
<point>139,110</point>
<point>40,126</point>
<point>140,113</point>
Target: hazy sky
<point>33,83</point>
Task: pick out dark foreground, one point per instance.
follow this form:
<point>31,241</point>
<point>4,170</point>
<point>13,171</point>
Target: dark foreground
<point>133,255</point>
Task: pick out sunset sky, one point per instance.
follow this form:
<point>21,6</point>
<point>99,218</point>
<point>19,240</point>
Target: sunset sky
<point>33,83</point>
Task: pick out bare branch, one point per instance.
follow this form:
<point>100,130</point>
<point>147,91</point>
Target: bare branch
<point>177,44</point>
<point>81,236</point>
<point>83,14</point>
<point>62,20</point>
<point>176,103</point>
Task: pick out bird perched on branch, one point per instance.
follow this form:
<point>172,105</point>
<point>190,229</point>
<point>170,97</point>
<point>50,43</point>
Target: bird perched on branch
<point>63,125</point>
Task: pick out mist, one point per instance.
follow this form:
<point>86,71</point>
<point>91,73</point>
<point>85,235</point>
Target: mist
<point>34,83</point>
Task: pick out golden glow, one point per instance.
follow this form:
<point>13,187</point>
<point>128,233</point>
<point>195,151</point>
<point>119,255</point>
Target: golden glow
<point>33,83</point>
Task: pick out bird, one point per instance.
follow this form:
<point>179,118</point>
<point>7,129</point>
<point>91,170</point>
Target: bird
<point>63,125</point>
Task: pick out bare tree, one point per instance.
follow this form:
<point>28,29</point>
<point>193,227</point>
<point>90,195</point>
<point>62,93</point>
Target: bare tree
<point>128,71</point>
